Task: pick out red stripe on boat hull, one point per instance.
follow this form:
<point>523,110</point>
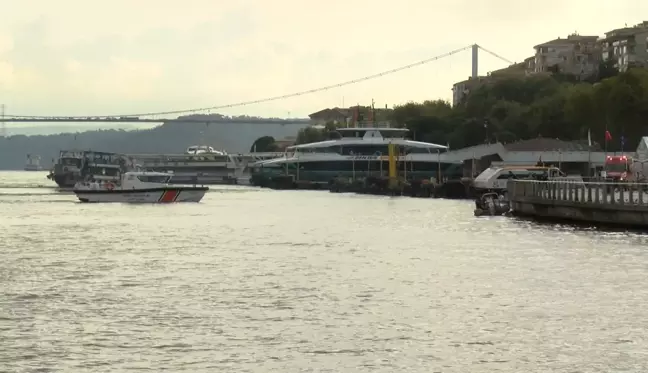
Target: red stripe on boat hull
<point>169,195</point>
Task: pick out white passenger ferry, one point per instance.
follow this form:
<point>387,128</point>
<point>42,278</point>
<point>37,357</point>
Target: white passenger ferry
<point>139,187</point>
<point>358,152</point>
<point>199,164</point>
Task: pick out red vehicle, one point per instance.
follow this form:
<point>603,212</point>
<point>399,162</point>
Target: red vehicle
<point>618,168</point>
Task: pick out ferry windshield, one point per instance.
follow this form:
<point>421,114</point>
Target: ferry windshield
<point>154,179</point>
<point>70,161</point>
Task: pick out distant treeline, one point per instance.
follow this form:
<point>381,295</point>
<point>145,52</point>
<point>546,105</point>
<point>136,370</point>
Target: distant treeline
<point>175,137</point>
<point>237,118</point>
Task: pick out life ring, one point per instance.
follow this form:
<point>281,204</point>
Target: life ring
<point>110,186</point>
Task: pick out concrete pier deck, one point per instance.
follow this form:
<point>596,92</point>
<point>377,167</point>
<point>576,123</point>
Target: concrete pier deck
<point>621,204</point>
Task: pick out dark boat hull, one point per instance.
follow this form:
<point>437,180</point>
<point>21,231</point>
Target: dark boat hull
<point>65,180</point>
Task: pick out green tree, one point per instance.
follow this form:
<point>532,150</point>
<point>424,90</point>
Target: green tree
<point>519,108</point>
<point>264,144</point>
<point>316,134</point>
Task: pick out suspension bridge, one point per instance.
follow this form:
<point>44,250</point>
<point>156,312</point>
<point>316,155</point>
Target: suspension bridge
<point>159,117</point>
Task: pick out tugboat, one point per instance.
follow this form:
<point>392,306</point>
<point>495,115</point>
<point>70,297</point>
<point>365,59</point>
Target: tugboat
<point>75,166</point>
<point>139,187</point>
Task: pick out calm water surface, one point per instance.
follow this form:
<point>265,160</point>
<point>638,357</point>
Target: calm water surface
<point>254,280</point>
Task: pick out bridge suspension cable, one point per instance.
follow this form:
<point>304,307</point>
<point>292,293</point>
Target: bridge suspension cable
<point>495,55</point>
<point>281,97</point>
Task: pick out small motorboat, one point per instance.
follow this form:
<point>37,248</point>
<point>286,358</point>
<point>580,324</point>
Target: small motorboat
<point>491,204</point>
<point>139,187</point>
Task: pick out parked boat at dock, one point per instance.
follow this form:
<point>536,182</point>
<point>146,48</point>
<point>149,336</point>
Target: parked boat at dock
<point>203,164</point>
<point>33,163</point>
<point>199,164</point>
<point>359,152</point>
<point>495,178</point>
<point>139,187</point>
<point>73,166</point>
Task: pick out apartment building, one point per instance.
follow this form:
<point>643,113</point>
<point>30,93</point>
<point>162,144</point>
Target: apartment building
<point>627,47</point>
<point>460,90</point>
<point>576,55</point>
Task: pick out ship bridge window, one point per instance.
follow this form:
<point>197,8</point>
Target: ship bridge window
<point>106,171</point>
<point>71,161</point>
<point>153,179</point>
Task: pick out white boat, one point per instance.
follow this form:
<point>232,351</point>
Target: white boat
<point>358,152</point>
<point>33,163</point>
<point>495,178</point>
<point>204,149</point>
<point>139,187</point>
<point>199,164</point>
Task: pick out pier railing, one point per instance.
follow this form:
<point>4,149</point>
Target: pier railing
<point>577,192</point>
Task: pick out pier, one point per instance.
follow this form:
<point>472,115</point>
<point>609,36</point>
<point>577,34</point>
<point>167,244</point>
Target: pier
<point>621,204</point>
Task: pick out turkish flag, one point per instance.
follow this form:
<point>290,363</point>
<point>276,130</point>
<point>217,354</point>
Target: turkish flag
<point>608,136</point>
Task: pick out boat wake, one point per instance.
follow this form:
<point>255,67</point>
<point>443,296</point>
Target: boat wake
<point>26,186</point>
<point>26,194</point>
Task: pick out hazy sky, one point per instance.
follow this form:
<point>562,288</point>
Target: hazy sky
<point>80,57</point>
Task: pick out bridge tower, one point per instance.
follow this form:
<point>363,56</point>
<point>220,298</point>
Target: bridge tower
<point>475,61</point>
<point>3,129</point>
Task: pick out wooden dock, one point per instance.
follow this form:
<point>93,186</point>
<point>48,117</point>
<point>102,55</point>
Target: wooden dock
<point>623,204</point>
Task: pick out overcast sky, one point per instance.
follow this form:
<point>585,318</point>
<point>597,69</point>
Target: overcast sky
<point>81,57</point>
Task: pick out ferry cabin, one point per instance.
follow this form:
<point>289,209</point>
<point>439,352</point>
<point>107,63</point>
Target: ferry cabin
<point>199,167</point>
<point>360,153</point>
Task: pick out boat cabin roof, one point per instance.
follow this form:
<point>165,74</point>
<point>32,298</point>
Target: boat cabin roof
<point>496,171</point>
<point>359,141</point>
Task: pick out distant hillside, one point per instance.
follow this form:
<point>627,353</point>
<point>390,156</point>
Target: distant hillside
<point>235,136</point>
<point>28,130</point>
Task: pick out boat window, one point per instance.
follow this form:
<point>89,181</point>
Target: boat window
<point>522,174</point>
<point>382,149</point>
<point>420,151</point>
<point>70,161</point>
<point>362,166</point>
<point>327,149</point>
<point>153,179</point>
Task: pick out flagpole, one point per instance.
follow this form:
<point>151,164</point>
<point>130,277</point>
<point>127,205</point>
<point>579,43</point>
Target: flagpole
<point>606,138</point>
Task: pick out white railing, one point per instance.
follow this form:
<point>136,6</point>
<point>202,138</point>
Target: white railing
<point>577,192</point>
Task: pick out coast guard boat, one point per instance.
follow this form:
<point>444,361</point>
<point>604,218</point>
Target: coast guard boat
<point>139,187</point>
